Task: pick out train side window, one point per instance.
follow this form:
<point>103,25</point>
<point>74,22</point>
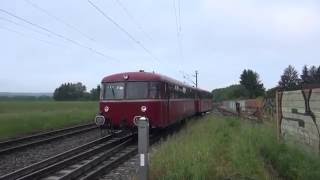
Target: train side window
<point>178,92</point>
<point>101,92</point>
<point>163,90</point>
<point>166,91</point>
<point>191,96</point>
<point>172,91</point>
<point>154,90</point>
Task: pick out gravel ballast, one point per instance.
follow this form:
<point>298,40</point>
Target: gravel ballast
<point>14,161</point>
<point>127,170</point>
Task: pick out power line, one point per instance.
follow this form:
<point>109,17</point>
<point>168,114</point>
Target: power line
<point>123,30</point>
<point>179,8</point>
<point>176,17</point>
<point>190,77</point>
<point>178,27</point>
<point>133,19</point>
<point>58,19</point>
<point>26,27</point>
<point>186,77</point>
<point>26,36</point>
<point>56,34</point>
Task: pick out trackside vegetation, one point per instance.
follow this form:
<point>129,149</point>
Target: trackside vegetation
<point>24,117</point>
<point>217,147</point>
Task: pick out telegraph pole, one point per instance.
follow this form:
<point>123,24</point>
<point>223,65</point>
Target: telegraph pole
<point>190,78</point>
<point>197,78</point>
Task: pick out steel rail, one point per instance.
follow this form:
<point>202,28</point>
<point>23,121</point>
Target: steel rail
<point>37,139</point>
<point>120,157</point>
<point>47,162</point>
<point>73,164</point>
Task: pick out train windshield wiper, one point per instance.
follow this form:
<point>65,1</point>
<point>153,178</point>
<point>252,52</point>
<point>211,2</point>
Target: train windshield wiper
<point>114,95</point>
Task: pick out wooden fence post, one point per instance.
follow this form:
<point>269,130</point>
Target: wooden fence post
<point>277,115</point>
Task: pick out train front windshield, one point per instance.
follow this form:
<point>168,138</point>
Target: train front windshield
<point>137,90</point>
<point>113,91</point>
<point>130,90</point>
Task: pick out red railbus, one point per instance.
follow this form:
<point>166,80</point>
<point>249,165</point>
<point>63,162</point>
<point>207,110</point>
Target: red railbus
<point>163,100</point>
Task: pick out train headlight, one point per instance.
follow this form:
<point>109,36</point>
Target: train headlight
<point>99,120</point>
<point>143,108</point>
<point>106,109</point>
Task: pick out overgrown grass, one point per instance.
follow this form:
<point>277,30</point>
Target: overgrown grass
<point>24,117</point>
<point>228,148</point>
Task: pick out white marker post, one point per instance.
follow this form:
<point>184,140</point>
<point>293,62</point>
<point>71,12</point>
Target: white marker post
<point>143,147</point>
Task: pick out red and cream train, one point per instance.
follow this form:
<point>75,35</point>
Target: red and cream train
<point>163,100</point>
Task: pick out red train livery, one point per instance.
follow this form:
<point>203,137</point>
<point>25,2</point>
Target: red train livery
<point>163,100</point>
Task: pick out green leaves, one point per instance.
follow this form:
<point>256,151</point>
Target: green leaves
<point>250,80</point>
<point>75,92</point>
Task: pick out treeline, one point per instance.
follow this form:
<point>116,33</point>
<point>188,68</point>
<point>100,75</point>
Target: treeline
<point>250,85</point>
<point>25,98</point>
<point>75,92</point>
<point>290,80</point>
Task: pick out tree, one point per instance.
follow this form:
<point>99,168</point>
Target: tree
<point>318,75</point>
<point>239,92</point>
<point>95,93</point>
<point>70,92</point>
<point>310,76</point>
<point>271,93</point>
<point>313,74</point>
<point>305,76</point>
<point>230,93</point>
<point>250,80</point>
<point>290,79</point>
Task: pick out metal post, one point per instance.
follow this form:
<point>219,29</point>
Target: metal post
<point>143,147</point>
<point>197,79</point>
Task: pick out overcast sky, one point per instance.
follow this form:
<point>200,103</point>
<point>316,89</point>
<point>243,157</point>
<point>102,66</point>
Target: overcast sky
<point>219,38</point>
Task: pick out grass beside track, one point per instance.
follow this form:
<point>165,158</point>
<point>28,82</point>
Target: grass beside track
<point>24,117</point>
<point>229,148</point>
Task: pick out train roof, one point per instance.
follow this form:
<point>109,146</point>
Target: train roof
<point>144,76</point>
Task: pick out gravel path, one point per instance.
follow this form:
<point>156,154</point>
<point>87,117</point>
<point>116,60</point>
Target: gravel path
<point>28,156</point>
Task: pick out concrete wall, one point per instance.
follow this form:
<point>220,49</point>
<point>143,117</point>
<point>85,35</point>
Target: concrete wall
<point>231,105</point>
<point>249,106</point>
<point>299,117</point>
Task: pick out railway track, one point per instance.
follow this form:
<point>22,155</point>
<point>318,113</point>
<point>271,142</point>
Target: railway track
<point>12,146</point>
<point>75,162</point>
<point>109,164</point>
<point>89,161</point>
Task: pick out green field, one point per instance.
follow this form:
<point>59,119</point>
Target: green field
<point>24,117</point>
<point>230,148</point>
